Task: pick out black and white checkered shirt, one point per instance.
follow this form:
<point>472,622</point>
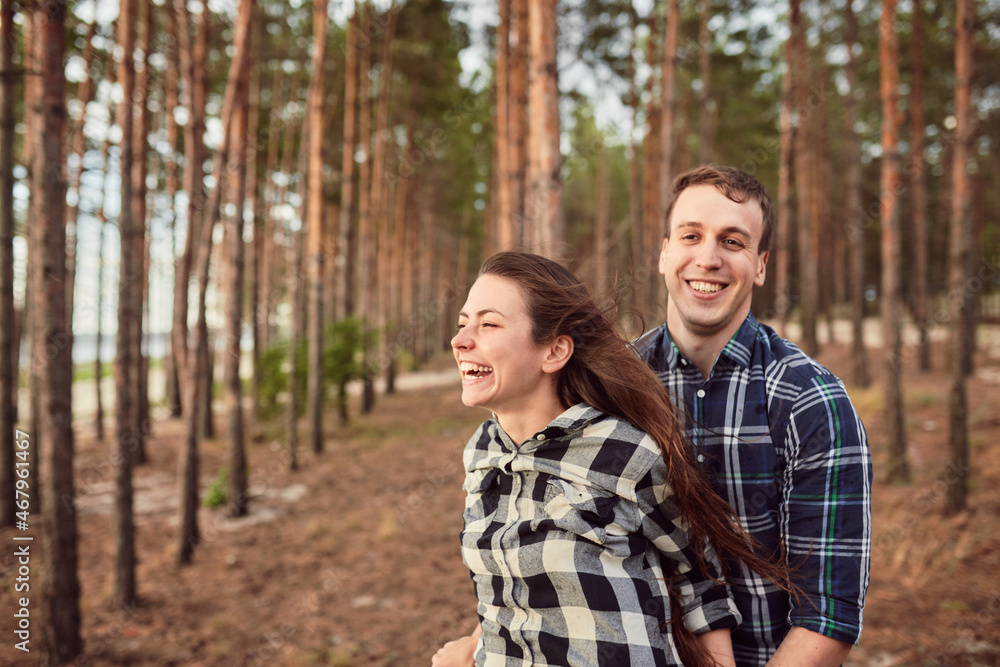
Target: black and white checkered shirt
<point>572,539</point>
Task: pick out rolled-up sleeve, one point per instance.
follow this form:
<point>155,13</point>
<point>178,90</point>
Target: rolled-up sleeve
<point>826,510</point>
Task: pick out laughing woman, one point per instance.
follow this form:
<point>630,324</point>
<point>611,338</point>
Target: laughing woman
<point>587,524</point>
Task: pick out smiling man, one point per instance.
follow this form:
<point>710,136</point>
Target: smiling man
<point>773,429</point>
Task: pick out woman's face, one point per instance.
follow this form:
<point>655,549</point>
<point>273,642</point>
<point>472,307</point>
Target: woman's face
<point>501,366</point>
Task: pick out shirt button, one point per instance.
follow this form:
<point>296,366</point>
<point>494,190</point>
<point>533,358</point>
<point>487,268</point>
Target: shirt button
<point>701,458</point>
<point>701,393</point>
<point>684,362</point>
<point>540,436</point>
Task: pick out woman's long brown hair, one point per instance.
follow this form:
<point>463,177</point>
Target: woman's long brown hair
<point>606,373</point>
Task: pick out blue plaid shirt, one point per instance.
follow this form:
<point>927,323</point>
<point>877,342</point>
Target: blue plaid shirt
<point>779,438</point>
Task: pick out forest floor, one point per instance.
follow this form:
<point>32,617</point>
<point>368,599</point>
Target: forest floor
<point>353,559</point>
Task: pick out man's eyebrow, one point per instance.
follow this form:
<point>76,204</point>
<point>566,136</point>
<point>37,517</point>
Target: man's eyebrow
<point>482,312</point>
<point>732,229</point>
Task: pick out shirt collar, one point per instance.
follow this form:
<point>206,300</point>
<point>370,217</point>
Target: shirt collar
<point>572,420</point>
<point>737,350</point>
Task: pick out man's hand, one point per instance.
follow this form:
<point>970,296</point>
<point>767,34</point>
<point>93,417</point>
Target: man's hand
<point>805,648</point>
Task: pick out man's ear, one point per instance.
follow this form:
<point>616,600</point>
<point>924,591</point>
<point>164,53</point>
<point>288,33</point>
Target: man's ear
<point>662,264</point>
<point>761,269</point>
<point>558,353</point>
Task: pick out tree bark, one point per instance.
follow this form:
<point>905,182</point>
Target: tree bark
<point>899,468</point>
<point>957,479</point>
<point>60,640</point>
<point>518,117</point>
<point>542,208</point>
<point>346,250</point>
<point>706,104</point>
<point>504,221</point>
<point>652,233</point>
<point>316,229</point>
<point>172,360</point>
<point>366,225</point>
<point>238,73</point>
<point>808,277</point>
<point>855,227</point>
<point>8,339</point>
<point>920,249</point>
<point>237,167</point>
<point>124,592</point>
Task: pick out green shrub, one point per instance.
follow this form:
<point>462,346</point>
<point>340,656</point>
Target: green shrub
<point>217,492</point>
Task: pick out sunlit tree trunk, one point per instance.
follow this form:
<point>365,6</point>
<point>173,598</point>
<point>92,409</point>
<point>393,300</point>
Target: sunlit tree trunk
<point>346,250</point>
<point>316,229</point>
<point>171,359</point>
<point>505,222</point>
<point>808,276</point>
<point>60,640</point>
<point>366,223</point>
<point>961,235</point>
<point>706,104</point>
<point>192,55</point>
<point>920,250</point>
<point>854,227</point>
<point>899,468</point>
<point>267,298</point>
<point>668,107</point>
<point>32,93</point>
<point>140,151</point>
<point>124,588</point>
<point>544,163</point>
<point>635,173</point>
<point>8,339</point>
<point>237,168</point>
<point>652,235</point>
<point>517,88</point>
<point>238,72</point>
<point>601,223</point>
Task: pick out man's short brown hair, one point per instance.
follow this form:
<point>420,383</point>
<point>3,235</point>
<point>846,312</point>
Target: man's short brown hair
<point>737,185</point>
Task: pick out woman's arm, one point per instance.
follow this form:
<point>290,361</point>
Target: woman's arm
<point>460,652</point>
<point>720,645</point>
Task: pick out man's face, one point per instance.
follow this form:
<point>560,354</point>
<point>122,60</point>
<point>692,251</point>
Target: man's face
<point>710,262</point>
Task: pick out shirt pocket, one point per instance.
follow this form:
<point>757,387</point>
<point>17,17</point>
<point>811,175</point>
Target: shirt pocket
<point>482,498</point>
<point>582,510</point>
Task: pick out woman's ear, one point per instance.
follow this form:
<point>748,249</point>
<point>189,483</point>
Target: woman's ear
<point>559,352</point>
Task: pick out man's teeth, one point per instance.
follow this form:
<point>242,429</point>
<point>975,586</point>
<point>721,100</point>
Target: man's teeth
<point>704,287</point>
<point>467,367</point>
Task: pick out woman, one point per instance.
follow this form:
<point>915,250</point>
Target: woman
<point>587,521</point>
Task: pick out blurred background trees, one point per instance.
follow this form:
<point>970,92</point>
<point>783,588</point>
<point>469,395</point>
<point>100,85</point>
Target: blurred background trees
<point>363,166</point>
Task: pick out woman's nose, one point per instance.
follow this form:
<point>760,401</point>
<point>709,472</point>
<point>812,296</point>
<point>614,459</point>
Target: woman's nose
<point>461,340</point>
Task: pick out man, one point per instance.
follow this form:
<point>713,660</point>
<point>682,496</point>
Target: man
<point>774,430</point>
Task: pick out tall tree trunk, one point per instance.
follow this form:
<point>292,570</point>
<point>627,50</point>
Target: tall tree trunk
<point>191,42</point>
<point>505,222</point>
<point>652,232</point>
<point>140,149</point>
<point>60,585</point>
<point>635,175</point>
<point>517,84</point>
<point>316,229</point>
<point>8,340</point>
<point>601,223</point>
<point>124,588</point>
<point>855,226</point>
<point>298,289</point>
<point>346,250</point>
<point>237,168</point>
<point>380,194</point>
<point>808,277</point>
<point>544,180</point>
<point>267,297</point>
<point>255,194</point>
<point>920,250</point>
<point>172,360</point>
<point>899,468</point>
<point>786,157</point>
<point>366,225</point>
<point>238,72</point>
<point>668,141</point>
<point>706,104</point>
<point>957,479</point>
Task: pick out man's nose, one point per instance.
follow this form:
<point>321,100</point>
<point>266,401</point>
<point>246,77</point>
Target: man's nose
<point>709,255</point>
